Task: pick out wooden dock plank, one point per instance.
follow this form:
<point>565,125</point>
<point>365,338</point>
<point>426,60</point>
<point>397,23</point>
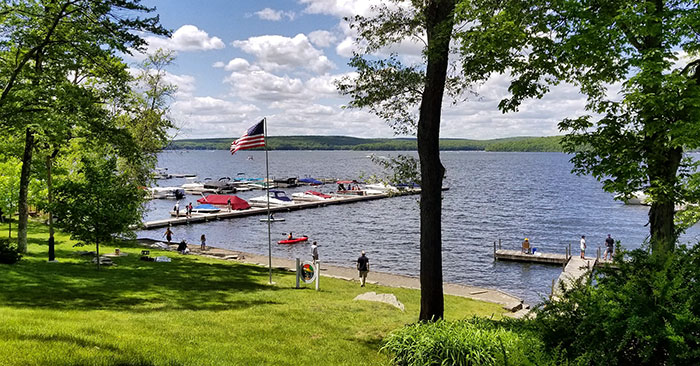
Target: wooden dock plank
<point>576,268</point>
<point>519,256</point>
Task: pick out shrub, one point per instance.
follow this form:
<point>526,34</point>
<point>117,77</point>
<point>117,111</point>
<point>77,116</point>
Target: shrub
<point>9,253</point>
<point>647,312</point>
<point>468,342</point>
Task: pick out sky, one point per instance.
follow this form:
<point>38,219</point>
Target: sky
<point>238,61</point>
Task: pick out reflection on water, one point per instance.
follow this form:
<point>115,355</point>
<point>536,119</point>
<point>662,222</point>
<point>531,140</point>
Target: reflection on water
<point>507,196</point>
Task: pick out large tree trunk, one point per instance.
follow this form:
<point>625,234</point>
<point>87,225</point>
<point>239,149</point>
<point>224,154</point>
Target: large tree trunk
<point>439,19</point>
<point>662,226</point>
<point>23,206</point>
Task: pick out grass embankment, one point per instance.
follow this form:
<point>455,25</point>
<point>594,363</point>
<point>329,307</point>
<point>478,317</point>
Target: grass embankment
<point>192,311</point>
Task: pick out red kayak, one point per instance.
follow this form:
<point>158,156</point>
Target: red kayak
<point>293,240</point>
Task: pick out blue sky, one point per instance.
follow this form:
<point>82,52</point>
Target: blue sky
<point>238,61</point>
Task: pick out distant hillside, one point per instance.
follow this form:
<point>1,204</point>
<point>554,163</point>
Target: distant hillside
<point>550,143</point>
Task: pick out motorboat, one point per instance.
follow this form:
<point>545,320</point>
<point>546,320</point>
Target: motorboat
<point>273,219</point>
<point>193,186</point>
<point>222,201</point>
<point>205,208</point>
<point>294,240</point>
<point>166,192</point>
<point>383,187</point>
<point>161,173</point>
<point>310,196</point>
<point>286,182</point>
<point>638,198</point>
<point>310,181</point>
<point>277,198</point>
<point>223,185</point>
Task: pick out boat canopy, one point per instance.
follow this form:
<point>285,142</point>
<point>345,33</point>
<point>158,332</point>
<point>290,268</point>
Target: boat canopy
<point>310,181</point>
<point>237,203</point>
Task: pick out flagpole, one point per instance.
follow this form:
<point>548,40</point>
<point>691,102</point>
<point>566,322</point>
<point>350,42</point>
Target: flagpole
<point>267,190</point>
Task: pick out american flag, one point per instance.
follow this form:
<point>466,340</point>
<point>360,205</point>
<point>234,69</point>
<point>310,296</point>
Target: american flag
<point>254,137</point>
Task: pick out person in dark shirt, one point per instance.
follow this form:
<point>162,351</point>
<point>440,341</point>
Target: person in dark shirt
<point>609,247</point>
<point>363,267</point>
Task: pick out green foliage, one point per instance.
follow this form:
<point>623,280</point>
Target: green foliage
<point>402,169</point>
<point>10,169</point>
<point>550,143</point>
<point>468,342</point>
<point>100,205</point>
<point>647,312</point>
<point>634,140</point>
<point>9,253</point>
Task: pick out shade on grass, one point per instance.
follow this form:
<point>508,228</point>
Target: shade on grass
<point>191,311</point>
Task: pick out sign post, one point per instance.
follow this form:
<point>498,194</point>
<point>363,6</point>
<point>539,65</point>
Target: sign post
<point>308,272</point>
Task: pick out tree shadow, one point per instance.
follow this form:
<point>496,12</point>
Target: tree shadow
<point>183,283</point>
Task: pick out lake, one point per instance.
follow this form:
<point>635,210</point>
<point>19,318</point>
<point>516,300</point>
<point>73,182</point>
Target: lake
<point>492,196</point>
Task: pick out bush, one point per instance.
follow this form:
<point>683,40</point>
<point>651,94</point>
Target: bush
<point>647,312</point>
<point>9,253</point>
<point>468,342</point>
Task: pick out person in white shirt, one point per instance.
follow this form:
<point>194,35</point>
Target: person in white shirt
<point>314,251</point>
<point>583,246</point>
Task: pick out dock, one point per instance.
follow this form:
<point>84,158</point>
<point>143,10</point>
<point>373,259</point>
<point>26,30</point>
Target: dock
<point>254,211</point>
<point>573,267</point>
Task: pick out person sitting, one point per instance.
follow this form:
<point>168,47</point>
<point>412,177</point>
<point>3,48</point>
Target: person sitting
<point>182,247</point>
<point>526,246</point>
<point>290,236</point>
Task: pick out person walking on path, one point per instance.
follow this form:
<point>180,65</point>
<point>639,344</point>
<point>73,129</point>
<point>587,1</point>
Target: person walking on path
<point>168,234</point>
<point>363,267</point>
<point>203,239</point>
<point>609,247</point>
<point>314,251</point>
<point>583,246</point>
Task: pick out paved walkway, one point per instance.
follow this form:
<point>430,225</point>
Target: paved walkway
<point>509,302</point>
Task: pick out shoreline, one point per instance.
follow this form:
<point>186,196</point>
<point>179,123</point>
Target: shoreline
<point>509,302</point>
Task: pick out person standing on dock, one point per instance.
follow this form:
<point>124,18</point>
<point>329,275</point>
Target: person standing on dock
<point>609,247</point>
<point>177,209</point>
<point>168,234</point>
<point>228,205</point>
<point>189,210</point>
<point>203,239</point>
<point>363,267</point>
<point>583,246</point>
<point>314,251</point>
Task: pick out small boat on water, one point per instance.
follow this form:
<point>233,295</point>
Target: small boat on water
<point>311,196</point>
<point>638,198</point>
<point>285,182</point>
<point>277,198</point>
<point>274,219</point>
<point>223,185</point>
<point>166,192</point>
<point>161,173</point>
<point>294,240</point>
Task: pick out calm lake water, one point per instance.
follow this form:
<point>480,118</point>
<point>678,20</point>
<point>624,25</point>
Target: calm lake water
<point>507,196</point>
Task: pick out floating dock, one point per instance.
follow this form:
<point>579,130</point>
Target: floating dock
<point>253,211</point>
<point>573,268</point>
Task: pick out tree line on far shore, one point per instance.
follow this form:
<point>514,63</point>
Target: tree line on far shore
<point>524,144</point>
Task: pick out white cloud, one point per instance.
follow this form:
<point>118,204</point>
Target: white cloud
<point>275,52</point>
<point>261,85</point>
<point>340,8</point>
<point>322,38</point>
<point>186,38</point>
<point>236,64</point>
<point>275,15</point>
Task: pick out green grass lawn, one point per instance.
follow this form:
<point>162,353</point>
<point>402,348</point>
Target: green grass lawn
<point>192,311</point>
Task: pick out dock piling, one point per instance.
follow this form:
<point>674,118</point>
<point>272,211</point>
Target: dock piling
<point>499,243</point>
